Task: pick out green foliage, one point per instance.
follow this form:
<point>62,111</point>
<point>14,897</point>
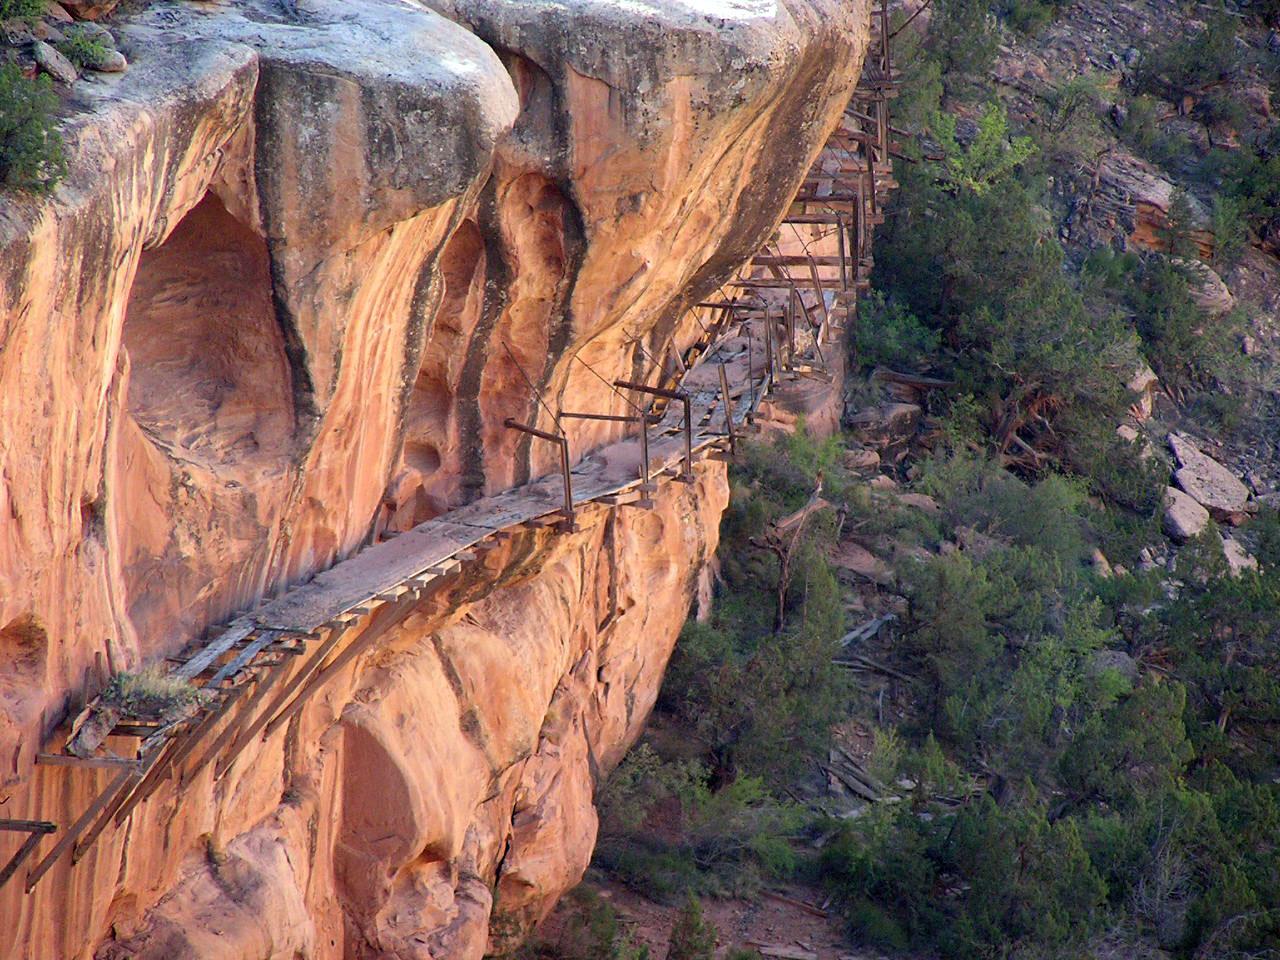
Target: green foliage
<point>82,48</point>
<point>1029,16</point>
<point>889,334</point>
<point>1186,64</point>
<point>1230,232</point>
<point>757,699</point>
<point>1251,178</point>
<point>1179,225</point>
<point>1184,349</point>
<point>692,937</point>
<point>591,931</point>
<point>716,839</point>
<point>31,155</point>
<point>989,158</point>
<point>983,269</point>
<point>1155,813</point>
<point>1069,130</point>
<point>964,39</point>
<point>27,11</point>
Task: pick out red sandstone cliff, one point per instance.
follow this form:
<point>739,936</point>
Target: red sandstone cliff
<point>283,303</point>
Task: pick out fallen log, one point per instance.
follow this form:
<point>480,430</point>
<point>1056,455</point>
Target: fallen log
<point>782,951</point>
<point>798,904</point>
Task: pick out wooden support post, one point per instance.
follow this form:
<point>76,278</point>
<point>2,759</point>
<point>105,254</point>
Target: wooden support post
<point>768,349</point>
<point>282,697</point>
<point>646,484</point>
<point>129,790</point>
<point>563,442</point>
<point>67,760</point>
<point>230,730</point>
<point>386,619</point>
<point>73,832</point>
<point>789,327</point>
<point>843,253</point>
<point>728,411</point>
<point>35,830</point>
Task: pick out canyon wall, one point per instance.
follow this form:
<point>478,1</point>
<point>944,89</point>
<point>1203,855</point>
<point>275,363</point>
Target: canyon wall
<point>304,265</point>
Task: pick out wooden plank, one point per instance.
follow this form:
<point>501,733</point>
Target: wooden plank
<point>230,670</point>
<point>29,826</point>
<point>237,631</point>
<point>367,574</point>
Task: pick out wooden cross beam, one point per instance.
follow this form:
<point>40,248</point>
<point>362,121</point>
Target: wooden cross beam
<point>35,829</point>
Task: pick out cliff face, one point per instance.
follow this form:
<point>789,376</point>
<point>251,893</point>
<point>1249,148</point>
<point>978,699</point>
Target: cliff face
<point>301,271</point>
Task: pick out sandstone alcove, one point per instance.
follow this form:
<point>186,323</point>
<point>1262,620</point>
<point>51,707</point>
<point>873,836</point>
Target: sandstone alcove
<point>209,381</point>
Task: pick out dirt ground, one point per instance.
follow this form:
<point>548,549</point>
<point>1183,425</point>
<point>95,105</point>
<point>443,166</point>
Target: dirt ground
<point>764,921</point>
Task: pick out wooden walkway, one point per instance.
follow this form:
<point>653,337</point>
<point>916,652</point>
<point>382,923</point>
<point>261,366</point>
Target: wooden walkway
<point>258,671</point>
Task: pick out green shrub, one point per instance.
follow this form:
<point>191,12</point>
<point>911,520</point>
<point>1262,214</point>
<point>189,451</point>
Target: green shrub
<point>889,334</point>
<point>149,692</point>
<point>591,931</point>
<point>964,39</point>
<point>26,10</point>
<point>83,49</point>
<point>1184,349</point>
<point>1189,63</point>
<point>1251,178</point>
<point>1029,16</point>
<point>1230,232</point>
<point>31,156</point>
<point>692,937</point>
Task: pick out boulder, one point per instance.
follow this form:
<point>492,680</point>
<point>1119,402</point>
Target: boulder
<point>1143,382</point>
<point>1183,517</point>
<point>860,458</point>
<point>1211,484</point>
<point>1238,558</point>
<point>53,63</point>
<point>861,562</point>
<point>886,423</point>
<point>89,9</point>
<point>1206,288</point>
<point>1100,564</point>
<point>1116,661</point>
<point>920,501</point>
<point>106,60</point>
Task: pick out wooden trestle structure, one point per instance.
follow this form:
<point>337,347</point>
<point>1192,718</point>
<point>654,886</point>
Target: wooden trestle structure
<point>259,670</point>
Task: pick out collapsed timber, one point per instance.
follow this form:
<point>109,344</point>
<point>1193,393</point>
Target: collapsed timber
<point>251,676</point>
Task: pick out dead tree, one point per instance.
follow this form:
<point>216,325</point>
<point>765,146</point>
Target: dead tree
<point>782,538</point>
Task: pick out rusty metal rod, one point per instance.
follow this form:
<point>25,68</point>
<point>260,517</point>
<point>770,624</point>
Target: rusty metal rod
<point>567,510</point>
<point>687,475</point>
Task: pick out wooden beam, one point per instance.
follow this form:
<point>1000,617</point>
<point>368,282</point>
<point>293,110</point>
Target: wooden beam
<point>67,760</point>
<point>73,832</point>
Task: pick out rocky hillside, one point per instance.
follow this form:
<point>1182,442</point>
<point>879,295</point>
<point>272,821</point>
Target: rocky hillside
<point>305,262</point>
